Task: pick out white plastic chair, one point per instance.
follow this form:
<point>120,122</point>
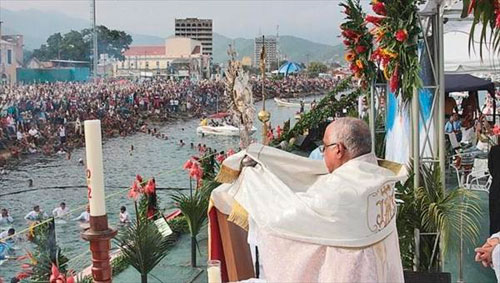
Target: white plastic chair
<point>479,179</point>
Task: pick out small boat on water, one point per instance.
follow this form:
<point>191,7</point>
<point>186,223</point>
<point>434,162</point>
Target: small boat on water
<point>225,130</point>
<point>219,128</point>
<point>286,103</point>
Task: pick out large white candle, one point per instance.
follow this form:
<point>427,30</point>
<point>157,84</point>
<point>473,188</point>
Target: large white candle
<point>95,175</point>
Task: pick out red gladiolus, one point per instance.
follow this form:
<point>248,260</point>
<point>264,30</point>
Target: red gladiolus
<point>394,82</point>
<point>278,131</point>
<point>188,164</point>
<point>401,35</point>
<point>230,152</point>
<point>70,279</point>
<point>497,22</point>
<point>361,49</point>
<point>150,187</point>
<point>379,8</point>
<point>347,42</point>
<point>374,20</point>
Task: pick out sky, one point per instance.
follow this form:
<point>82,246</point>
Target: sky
<point>311,19</point>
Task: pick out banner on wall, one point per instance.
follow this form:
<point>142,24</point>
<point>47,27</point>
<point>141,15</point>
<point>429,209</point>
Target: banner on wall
<point>397,124</point>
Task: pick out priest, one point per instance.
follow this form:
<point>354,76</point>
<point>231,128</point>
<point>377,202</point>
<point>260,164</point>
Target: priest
<point>330,220</point>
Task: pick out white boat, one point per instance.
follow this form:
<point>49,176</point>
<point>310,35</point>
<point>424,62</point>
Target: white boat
<point>285,103</point>
<point>225,130</point>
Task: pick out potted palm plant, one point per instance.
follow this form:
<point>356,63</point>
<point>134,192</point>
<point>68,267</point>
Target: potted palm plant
<point>442,215</point>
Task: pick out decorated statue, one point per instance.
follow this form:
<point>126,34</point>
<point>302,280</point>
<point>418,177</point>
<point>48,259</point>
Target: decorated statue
<point>239,98</point>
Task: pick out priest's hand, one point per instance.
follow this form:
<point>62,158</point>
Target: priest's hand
<point>248,162</point>
<point>483,254</point>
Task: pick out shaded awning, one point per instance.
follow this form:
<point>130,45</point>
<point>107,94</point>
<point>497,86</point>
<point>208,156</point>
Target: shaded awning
<point>465,82</point>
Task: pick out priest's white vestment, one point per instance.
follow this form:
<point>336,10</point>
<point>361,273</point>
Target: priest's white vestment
<point>311,225</point>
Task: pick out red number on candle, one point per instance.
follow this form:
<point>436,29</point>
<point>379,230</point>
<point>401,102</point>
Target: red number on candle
<point>89,192</point>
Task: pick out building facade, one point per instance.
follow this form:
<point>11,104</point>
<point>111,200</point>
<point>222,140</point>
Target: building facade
<point>179,58</point>
<point>271,52</point>
<point>197,29</point>
<point>11,57</point>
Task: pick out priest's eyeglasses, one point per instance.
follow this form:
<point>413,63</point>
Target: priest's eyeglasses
<point>323,147</point>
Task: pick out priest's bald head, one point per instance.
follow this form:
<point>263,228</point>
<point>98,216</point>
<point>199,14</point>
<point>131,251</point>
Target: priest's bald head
<point>345,139</point>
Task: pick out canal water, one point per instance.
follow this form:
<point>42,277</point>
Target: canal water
<point>57,179</point>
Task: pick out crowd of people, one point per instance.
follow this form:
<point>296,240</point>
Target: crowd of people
<point>48,118</point>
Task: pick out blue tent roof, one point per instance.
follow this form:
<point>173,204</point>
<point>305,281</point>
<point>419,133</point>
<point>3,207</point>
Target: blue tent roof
<point>289,68</point>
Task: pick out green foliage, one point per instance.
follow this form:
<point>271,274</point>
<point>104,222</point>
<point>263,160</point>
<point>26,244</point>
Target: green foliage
<point>484,14</point>
<point>194,208</point>
<point>75,45</point>
<point>432,209</point>
<point>326,108</point>
<point>46,252</point>
<point>315,68</point>
<point>143,246</point>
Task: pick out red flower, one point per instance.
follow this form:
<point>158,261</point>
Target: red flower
<point>347,42</point>
<point>230,152</point>
<point>278,131</point>
<point>354,68</point>
<point>361,49</point>
<point>135,191</point>
<point>394,82</point>
<point>70,279</point>
<point>196,172</point>
<point>350,34</point>
<point>22,275</point>
<point>374,20</point>
<point>401,35</point>
<point>139,178</point>
<point>220,158</point>
<point>379,8</point>
<point>150,187</point>
<point>497,22</point>
<point>188,164</point>
<point>54,270</point>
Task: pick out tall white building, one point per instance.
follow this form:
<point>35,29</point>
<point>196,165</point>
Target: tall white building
<point>271,51</point>
<point>197,29</point>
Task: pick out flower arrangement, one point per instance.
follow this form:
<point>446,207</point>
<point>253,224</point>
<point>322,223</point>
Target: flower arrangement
<point>395,30</point>
<point>486,12</point>
<point>358,42</point>
<point>146,191</point>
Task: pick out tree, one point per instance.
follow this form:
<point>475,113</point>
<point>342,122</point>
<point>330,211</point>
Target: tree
<point>76,45</point>
<point>316,68</point>
<point>111,42</point>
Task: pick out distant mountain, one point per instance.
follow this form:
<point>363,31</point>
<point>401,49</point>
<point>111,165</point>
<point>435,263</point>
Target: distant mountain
<point>292,48</point>
<point>37,26</point>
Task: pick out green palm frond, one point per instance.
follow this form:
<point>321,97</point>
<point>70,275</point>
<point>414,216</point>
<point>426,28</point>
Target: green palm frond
<point>194,208</point>
<point>142,245</point>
